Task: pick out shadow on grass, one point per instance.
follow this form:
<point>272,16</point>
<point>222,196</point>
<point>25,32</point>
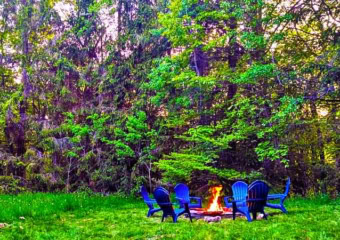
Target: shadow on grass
<point>290,213</point>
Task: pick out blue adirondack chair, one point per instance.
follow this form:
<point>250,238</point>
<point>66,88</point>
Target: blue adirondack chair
<point>256,201</point>
<point>240,193</point>
<point>182,195</point>
<point>163,200</point>
<point>149,202</point>
<point>282,198</point>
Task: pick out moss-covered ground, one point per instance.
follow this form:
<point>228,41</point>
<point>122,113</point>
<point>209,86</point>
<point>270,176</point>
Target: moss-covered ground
<point>80,216</point>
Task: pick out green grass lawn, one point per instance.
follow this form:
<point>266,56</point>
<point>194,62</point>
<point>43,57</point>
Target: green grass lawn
<point>78,216</point>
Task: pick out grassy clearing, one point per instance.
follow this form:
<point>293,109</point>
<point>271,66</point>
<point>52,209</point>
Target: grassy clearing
<point>78,216</point>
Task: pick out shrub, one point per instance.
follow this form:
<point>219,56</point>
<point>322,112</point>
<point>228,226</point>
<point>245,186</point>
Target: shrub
<point>10,185</point>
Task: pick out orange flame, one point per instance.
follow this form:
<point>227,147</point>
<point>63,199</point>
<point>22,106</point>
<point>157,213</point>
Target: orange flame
<point>214,202</point>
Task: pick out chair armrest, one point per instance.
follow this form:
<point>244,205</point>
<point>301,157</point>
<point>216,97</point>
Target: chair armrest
<point>276,196</point>
<point>165,204</point>
<point>181,200</point>
<point>249,200</point>
<point>198,199</point>
<point>255,200</point>
<point>226,199</point>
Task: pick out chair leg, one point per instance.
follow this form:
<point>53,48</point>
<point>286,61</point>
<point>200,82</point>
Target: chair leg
<point>163,218</point>
<point>248,216</point>
<point>264,215</point>
<point>174,218</point>
<point>283,209</point>
<point>242,211</point>
<point>234,210</point>
<point>190,216</point>
<point>187,210</point>
<point>278,206</point>
<point>254,215</point>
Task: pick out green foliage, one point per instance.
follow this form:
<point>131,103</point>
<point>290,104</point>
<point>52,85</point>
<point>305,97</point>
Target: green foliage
<point>266,151</point>
<point>178,90</point>
<point>179,167</point>
<point>253,41</point>
<point>256,73</point>
<point>258,115</point>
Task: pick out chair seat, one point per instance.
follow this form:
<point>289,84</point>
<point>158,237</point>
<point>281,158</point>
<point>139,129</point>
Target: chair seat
<point>242,203</point>
<point>195,205</point>
<point>243,209</point>
<point>153,201</point>
<point>178,211</point>
<point>275,196</point>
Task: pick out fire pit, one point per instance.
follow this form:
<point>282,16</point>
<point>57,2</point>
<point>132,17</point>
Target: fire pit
<point>214,208</point>
<point>202,212</point>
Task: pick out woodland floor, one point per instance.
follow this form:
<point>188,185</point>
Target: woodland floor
<point>79,216</point>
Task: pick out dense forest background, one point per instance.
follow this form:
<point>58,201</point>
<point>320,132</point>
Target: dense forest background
<point>106,95</point>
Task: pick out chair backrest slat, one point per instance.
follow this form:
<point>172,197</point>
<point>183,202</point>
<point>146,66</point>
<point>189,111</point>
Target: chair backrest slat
<point>144,193</point>
<point>240,191</point>
<point>182,191</point>
<point>163,200</point>
<point>257,191</point>
<point>287,187</point>
<point>256,181</point>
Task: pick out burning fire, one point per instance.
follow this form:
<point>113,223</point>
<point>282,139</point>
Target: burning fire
<point>214,202</point>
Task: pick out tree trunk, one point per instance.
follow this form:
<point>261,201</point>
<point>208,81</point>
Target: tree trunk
<point>24,78</point>
<point>234,54</point>
<point>320,142</point>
